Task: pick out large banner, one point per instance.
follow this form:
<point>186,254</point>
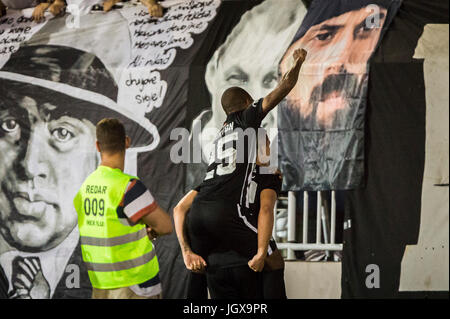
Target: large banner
<point>164,79</point>
<point>249,58</point>
<point>57,79</point>
<point>321,123</point>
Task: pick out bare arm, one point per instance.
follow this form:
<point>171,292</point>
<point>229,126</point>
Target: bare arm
<point>265,226</point>
<point>192,261</point>
<point>179,216</point>
<point>159,221</point>
<point>286,84</point>
<point>265,219</point>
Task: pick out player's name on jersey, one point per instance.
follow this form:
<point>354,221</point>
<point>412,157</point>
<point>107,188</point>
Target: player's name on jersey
<point>96,189</point>
<point>228,127</point>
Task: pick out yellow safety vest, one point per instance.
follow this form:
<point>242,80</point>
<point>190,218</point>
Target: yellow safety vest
<point>116,255</point>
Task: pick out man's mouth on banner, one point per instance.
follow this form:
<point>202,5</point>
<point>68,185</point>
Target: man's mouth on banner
<point>30,220</point>
<point>332,100</point>
<point>32,206</point>
<point>28,205</point>
<point>327,107</point>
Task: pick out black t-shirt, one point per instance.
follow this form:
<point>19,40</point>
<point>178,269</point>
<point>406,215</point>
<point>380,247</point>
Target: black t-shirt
<point>215,223</point>
<point>233,157</point>
<point>228,237</point>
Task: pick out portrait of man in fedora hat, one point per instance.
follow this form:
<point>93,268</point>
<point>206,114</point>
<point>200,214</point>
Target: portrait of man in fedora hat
<point>52,98</point>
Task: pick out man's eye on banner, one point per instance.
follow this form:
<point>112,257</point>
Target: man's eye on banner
<point>321,122</point>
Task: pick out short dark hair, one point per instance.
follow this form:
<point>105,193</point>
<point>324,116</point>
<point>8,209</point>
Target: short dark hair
<point>111,135</point>
<point>234,99</point>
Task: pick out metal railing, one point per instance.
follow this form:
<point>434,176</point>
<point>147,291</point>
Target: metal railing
<point>325,224</point>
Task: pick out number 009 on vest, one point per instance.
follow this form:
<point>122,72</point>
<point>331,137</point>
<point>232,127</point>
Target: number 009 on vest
<point>116,255</point>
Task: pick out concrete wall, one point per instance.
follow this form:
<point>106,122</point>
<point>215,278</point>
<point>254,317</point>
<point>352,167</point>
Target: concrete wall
<point>313,280</point>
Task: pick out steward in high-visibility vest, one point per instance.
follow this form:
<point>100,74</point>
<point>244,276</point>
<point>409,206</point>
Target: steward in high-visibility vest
<point>116,255</point>
<point>114,210</point>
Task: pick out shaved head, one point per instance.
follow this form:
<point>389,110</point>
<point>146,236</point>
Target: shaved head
<point>235,99</point>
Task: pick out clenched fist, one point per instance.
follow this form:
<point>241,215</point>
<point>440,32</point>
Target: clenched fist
<point>299,55</point>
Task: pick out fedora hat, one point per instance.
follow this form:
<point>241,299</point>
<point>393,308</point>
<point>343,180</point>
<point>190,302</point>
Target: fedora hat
<point>77,82</point>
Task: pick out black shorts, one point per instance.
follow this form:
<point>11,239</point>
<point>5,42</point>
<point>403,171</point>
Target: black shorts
<point>272,286</point>
<point>203,227</point>
<point>214,227</point>
<point>234,283</point>
<point>197,286</point>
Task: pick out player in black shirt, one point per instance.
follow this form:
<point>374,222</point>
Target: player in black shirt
<point>216,227</point>
<point>263,194</point>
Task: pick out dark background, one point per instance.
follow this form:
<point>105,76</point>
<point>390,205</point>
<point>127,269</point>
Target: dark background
<point>385,214</point>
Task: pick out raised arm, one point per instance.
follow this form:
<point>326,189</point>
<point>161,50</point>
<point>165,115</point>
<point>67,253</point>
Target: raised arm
<point>286,84</point>
<point>192,261</point>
